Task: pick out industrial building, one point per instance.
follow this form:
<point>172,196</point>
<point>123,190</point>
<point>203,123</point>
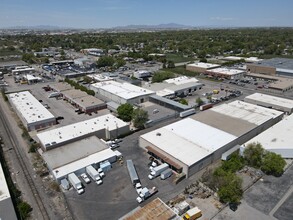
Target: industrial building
<point>25,70</point>
<point>278,138</point>
<point>79,154</point>
<point>89,104</point>
<point>246,59</point>
<point>72,94</point>
<point>140,74</point>
<point>193,143</point>
<point>7,210</point>
<point>31,112</point>
<point>181,80</point>
<point>154,210</point>
<point>225,73</point>
<point>100,77</point>
<point>281,104</point>
<point>121,93</point>
<point>201,67</point>
<point>274,66</point>
<point>105,127</point>
<point>60,87</point>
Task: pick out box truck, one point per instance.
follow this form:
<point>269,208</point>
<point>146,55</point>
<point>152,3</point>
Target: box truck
<point>192,214</point>
<point>166,174</point>
<point>205,107</point>
<point>158,170</point>
<point>132,172</point>
<point>75,182</point>
<point>93,173</point>
<point>146,193</point>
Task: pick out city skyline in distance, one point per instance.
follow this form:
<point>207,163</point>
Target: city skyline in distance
<point>121,13</point>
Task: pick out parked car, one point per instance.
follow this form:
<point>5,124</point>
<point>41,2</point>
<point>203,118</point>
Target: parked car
<point>85,178</point>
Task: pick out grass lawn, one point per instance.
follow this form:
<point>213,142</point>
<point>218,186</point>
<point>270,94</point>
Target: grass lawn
<point>178,58</point>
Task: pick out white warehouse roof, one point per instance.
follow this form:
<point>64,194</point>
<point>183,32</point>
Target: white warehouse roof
<point>226,71</point>
<point>181,80</point>
<point>73,131</point>
<point>204,65</point>
<point>273,100</point>
<point>278,138</point>
<point>123,90</point>
<point>188,140</point>
<point>29,107</point>
<point>246,111</point>
<point>3,186</point>
<point>84,162</point>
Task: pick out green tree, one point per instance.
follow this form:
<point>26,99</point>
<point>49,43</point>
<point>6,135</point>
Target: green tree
<point>273,164</point>
<point>231,192</point>
<point>171,64</point>
<point>120,62</point>
<point>24,210</point>
<point>140,117</point>
<point>160,76</point>
<point>235,163</point>
<point>199,101</point>
<point>183,101</point>
<point>105,61</point>
<point>125,112</point>
<point>253,154</point>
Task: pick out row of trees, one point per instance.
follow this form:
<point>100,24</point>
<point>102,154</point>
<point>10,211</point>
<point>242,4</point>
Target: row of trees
<point>128,113</point>
<point>110,62</point>
<point>76,85</point>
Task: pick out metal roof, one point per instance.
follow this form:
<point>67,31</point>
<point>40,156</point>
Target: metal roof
<point>204,65</point>
<point>269,99</point>
<point>29,107</point>
<point>278,138</point>
<point>226,71</point>
<point>170,102</point>
<point>281,63</point>
<point>80,129</point>
<point>188,140</point>
<point>249,112</point>
<point>180,80</point>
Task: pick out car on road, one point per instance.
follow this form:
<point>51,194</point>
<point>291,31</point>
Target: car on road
<point>114,145</point>
<point>85,178</point>
<point>59,118</point>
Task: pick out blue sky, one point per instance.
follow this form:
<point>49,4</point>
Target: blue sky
<point>111,13</point>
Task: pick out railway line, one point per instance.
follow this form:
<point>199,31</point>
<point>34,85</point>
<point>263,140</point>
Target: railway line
<point>25,169</point>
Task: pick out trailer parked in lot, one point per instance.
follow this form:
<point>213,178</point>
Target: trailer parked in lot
<point>158,170</point>
<point>75,182</point>
<point>206,106</point>
<point>187,113</point>
<point>166,174</point>
<point>132,172</point>
<point>93,173</point>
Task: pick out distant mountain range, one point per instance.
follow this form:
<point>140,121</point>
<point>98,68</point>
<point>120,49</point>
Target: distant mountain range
<point>127,27</point>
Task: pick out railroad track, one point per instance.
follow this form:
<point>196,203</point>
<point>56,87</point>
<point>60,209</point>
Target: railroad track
<point>23,165</point>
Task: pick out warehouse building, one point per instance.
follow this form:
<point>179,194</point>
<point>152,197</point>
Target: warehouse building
<point>278,138</point>
<point>281,104</point>
<point>201,67</point>
<point>7,210</point>
<point>72,94</point>
<point>121,93</point>
<point>274,66</point>
<point>225,73</point>
<point>181,80</point>
<point>79,154</point>
<point>25,70</point>
<point>155,210</point>
<point>89,104</point>
<point>105,127</point>
<point>60,87</point>
<point>31,112</point>
<point>193,143</point>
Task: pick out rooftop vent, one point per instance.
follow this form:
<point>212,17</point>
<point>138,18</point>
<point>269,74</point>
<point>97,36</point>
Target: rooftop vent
<point>158,134</point>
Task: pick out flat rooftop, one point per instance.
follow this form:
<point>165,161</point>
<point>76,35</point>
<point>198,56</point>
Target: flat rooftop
<point>204,65</point>
<point>184,86</point>
<point>154,210</point>
<point>269,99</point>
<point>84,162</point>
<point>278,138</point>
<point>76,130</point>
<point>100,77</point>
<point>29,107</point>
<point>180,80</point>
<point>61,86</point>
<point>226,71</point>
<point>74,151</point>
<point>74,93</point>
<point>237,117</point>
<point>88,101</point>
<point>4,192</point>
<point>123,90</point>
<point>188,140</point>
<point>279,63</point>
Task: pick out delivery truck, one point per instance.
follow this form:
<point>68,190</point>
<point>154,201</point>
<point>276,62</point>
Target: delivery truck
<point>192,214</point>
<point>93,173</point>
<point>166,174</point>
<point>206,106</point>
<point>146,193</point>
<point>75,182</point>
<point>158,170</point>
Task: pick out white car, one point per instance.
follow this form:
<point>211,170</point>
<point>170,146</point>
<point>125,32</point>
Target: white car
<point>101,172</point>
<point>99,182</point>
<point>85,178</point>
